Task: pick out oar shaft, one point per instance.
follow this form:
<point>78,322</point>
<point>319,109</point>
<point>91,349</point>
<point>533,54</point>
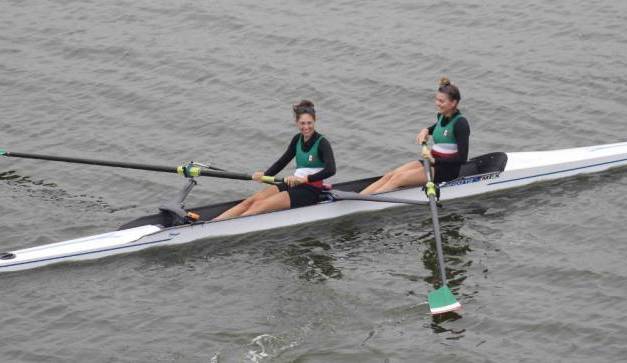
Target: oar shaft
<point>116,164</point>
<point>343,195</point>
<point>225,175</point>
<point>438,238</point>
<point>126,165</point>
<point>434,217</point>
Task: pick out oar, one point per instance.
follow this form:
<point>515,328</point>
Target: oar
<point>189,170</point>
<point>441,300</point>
<point>343,195</point>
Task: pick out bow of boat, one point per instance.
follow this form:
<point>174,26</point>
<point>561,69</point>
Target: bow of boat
<point>81,248</point>
<point>610,155</point>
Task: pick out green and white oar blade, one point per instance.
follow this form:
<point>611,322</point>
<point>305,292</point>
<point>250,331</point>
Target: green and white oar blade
<point>442,301</point>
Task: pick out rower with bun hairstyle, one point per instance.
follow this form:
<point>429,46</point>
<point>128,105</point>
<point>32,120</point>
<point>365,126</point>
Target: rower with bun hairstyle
<point>314,163</point>
<point>450,133</point>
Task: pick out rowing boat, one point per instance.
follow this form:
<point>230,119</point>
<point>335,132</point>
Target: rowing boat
<point>483,174</point>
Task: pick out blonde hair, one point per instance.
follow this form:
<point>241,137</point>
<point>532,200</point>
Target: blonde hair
<point>444,81</point>
<point>449,89</point>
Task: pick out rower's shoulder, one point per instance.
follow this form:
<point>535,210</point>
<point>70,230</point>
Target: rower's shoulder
<point>463,121</point>
<point>324,141</point>
<point>323,138</point>
<point>462,126</point>
<point>318,137</point>
<point>295,138</point>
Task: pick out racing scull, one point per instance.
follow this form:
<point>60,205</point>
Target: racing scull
<point>484,174</point>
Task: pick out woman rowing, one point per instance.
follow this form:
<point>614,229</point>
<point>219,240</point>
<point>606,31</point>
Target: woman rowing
<point>450,134</point>
<point>314,163</point>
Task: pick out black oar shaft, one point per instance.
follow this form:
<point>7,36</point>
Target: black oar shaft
<point>226,175</point>
<point>116,164</point>
<point>126,165</point>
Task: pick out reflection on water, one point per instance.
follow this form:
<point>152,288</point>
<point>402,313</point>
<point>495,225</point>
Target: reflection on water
<point>437,322</point>
<point>454,245</point>
<point>312,258</point>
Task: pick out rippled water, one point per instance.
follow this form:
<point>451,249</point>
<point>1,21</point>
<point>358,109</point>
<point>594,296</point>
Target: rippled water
<point>540,270</point>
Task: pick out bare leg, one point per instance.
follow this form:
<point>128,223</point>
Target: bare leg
<point>376,186</point>
<point>407,178</point>
<point>372,188</point>
<point>273,203</point>
<point>245,204</point>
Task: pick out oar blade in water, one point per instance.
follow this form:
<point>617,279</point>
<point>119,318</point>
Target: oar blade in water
<point>442,301</point>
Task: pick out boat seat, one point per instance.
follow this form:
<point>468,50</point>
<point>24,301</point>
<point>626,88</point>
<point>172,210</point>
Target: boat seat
<point>483,164</point>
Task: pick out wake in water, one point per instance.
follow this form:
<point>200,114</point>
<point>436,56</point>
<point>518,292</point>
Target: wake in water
<point>41,190</point>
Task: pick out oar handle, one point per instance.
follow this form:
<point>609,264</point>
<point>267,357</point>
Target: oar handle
<point>424,146</point>
<point>272,180</point>
<point>425,149</point>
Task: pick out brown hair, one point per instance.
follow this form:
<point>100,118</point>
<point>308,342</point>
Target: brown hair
<point>449,89</point>
<point>305,106</point>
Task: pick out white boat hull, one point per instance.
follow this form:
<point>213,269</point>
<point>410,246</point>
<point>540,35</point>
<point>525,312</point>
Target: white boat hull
<point>522,168</point>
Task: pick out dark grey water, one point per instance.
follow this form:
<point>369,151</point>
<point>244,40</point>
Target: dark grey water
<point>540,271</point>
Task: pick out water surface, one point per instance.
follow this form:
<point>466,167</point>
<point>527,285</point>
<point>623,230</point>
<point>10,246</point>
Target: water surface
<point>540,270</point>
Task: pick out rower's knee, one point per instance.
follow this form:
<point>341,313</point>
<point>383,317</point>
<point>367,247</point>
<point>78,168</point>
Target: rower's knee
<point>395,181</point>
<point>255,207</point>
<point>395,176</point>
<point>251,200</point>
